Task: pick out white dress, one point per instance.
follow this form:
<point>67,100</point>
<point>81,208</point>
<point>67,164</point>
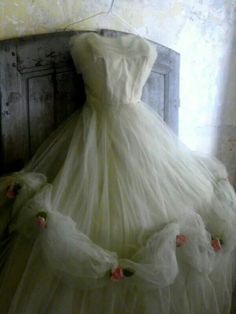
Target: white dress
<point>114,215</point>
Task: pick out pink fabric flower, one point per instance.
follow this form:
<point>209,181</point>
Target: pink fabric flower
<point>117,274</point>
<point>12,190</point>
<point>216,244</point>
<point>41,222</point>
<point>181,240</point>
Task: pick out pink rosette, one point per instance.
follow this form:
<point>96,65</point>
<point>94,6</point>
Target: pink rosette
<point>12,190</point>
<point>117,274</point>
<point>181,240</point>
<point>216,244</point>
<point>41,220</point>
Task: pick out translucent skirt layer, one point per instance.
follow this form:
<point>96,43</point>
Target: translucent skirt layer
<point>133,222</point>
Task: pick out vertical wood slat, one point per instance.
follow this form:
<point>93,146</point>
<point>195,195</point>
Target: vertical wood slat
<point>65,96</point>
<point>41,110</point>
<point>153,93</point>
<point>13,110</point>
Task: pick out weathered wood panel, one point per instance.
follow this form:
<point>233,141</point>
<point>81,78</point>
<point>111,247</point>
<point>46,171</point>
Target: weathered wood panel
<point>43,51</point>
<point>153,93</point>
<point>39,88</point>
<point>14,132</point>
<point>41,109</point>
<point>66,95</point>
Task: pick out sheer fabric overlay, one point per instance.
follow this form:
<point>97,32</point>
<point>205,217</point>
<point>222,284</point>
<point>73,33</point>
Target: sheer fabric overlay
<point>116,191</point>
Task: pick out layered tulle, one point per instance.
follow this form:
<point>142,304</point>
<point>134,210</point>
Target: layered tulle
<point>113,214</point>
<point>116,189</point>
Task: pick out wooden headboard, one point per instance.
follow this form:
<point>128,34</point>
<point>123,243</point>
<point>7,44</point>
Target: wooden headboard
<point>39,88</point>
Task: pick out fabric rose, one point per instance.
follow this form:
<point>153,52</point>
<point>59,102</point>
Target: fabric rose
<point>181,240</point>
<point>12,190</point>
<point>117,274</point>
<point>41,220</point>
<point>216,244</point>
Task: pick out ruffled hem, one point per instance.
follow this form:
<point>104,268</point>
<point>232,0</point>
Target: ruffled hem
<point>57,252</point>
<point>70,253</point>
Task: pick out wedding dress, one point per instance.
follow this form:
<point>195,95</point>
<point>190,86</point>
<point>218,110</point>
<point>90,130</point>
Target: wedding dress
<point>113,214</point>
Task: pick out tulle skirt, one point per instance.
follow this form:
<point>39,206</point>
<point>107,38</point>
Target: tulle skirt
<point>131,222</point>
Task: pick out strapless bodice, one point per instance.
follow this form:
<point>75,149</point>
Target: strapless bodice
<point>114,69</point>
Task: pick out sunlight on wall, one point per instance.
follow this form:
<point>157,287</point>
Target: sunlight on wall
<point>204,54</point>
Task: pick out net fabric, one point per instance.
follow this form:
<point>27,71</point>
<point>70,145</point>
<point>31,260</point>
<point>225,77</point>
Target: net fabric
<point>117,187</point>
<point>69,252</point>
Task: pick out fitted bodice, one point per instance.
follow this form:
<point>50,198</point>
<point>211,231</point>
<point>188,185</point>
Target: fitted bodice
<point>114,69</point>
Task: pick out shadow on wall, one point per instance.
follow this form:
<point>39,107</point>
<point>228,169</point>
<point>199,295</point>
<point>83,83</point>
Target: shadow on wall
<point>226,130</point>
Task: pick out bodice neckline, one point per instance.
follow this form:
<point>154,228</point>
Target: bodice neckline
<point>123,44</point>
<point>114,69</point>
